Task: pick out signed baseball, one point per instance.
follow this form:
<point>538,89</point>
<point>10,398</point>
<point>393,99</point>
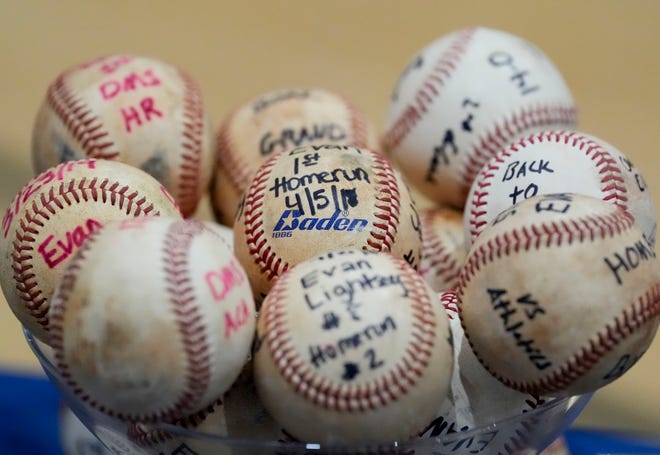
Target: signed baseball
<point>276,121</point>
<point>352,347</point>
<point>132,109</point>
<point>53,214</point>
<point>308,200</point>
<point>463,98</point>
<point>560,294</point>
<point>443,247</point>
<point>152,319</point>
<point>556,162</point>
<point>477,399</point>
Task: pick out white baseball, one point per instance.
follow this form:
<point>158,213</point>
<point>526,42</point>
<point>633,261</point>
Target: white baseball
<point>308,200</point>
<point>152,320</point>
<point>477,399</point>
<point>556,162</point>
<point>560,295</point>
<point>443,247</point>
<point>276,121</point>
<point>462,99</point>
<point>352,347</point>
<point>53,214</point>
<point>132,109</point>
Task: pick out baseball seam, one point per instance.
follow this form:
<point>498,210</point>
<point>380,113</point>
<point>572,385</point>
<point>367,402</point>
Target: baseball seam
<point>387,207</point>
<point>85,127</point>
<point>192,329</point>
<point>188,319</point>
<point>60,299</point>
<point>264,256</point>
<point>386,213</point>
<point>377,393</point>
<point>357,122</point>
<point>546,235</point>
<point>612,182</point>
<point>430,88</point>
<point>449,301</point>
<point>189,190</point>
<point>228,159</point>
<point>516,441</point>
<point>643,310</point>
<point>238,171</point>
<point>57,198</point>
<point>502,134</point>
<point>438,260</point>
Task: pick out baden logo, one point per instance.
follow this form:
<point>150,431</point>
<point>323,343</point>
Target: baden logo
<point>292,220</point>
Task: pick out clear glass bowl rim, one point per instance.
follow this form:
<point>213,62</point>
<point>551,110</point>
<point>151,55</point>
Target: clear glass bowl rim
<point>572,406</point>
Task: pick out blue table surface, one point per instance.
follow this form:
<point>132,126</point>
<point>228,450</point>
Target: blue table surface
<point>29,410</point>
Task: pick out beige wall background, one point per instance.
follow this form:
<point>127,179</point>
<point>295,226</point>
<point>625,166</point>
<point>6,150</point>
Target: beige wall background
<point>608,52</point>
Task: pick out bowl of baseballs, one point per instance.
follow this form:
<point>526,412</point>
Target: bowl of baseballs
<point>530,426</point>
<point>349,350</point>
<point>331,312</point>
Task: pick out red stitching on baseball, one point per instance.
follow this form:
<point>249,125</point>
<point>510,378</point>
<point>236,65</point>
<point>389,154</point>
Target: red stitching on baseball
<point>60,299</point>
<point>645,309</point>
<point>59,197</point>
<point>585,229</point>
<point>438,258</point>
<point>78,118</point>
<point>430,89</point>
<point>357,122</point>
<point>258,247</point>
<point>176,249</point>
<point>386,213</point>
<point>240,172</point>
<point>189,189</point>
<point>191,328</point>
<point>611,178</point>
<point>449,301</point>
<point>350,397</point>
<point>387,206</point>
<point>493,141</point>
<point>229,159</point>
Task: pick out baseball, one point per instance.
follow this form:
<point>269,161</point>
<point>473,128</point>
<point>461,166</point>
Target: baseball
<point>443,247</point>
<point>152,319</point>
<point>308,200</point>
<point>556,162</point>
<point>477,399</point>
<point>52,215</point>
<point>352,347</point>
<point>137,110</point>
<point>462,99</point>
<point>560,294</point>
<point>275,121</point>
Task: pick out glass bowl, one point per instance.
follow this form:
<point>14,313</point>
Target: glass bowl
<point>529,432</point>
